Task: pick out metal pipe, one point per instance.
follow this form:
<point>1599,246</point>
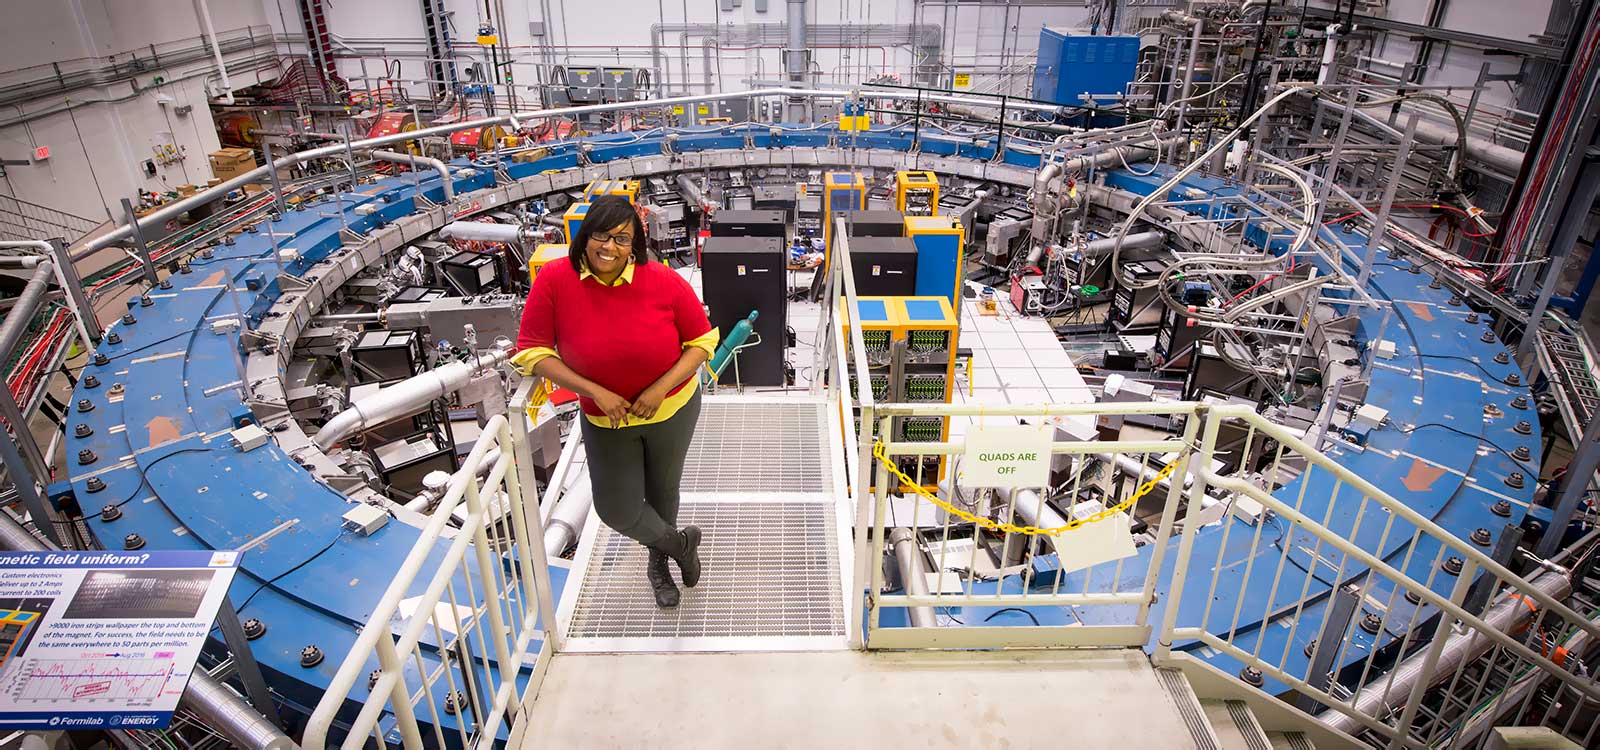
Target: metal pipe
<point>405,397</point>
<point>1139,241</point>
<point>336,319</point>
<point>908,556</point>
<point>691,192</point>
<point>1510,613</point>
<point>178,208</point>
<point>796,59</point>
<point>1026,503</point>
<point>16,322</point>
<point>438,166</point>
<point>566,520</point>
<point>200,7</point>
<point>219,707</point>
<point>482,231</point>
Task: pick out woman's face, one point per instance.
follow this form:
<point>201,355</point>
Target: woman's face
<point>609,251</point>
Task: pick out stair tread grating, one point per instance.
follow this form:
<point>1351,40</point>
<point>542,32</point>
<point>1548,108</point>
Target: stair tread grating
<point>1189,708</point>
<point>1254,737</point>
<point>771,569</point>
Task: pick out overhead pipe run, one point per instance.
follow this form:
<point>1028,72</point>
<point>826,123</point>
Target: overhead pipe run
<point>176,209</point>
<point>437,165</point>
<point>218,706</point>
<point>405,397</point>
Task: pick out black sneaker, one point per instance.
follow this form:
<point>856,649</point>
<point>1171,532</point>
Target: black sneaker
<point>689,560</point>
<point>661,580</point>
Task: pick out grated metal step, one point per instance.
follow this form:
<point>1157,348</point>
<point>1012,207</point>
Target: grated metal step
<point>770,570</point>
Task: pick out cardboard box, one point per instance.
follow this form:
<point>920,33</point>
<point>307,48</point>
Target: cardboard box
<point>228,163</point>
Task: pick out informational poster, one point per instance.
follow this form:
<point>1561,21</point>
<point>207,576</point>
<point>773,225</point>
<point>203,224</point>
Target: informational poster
<point>101,640</point>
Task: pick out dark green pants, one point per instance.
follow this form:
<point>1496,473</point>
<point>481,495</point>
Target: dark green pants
<point>635,471</point>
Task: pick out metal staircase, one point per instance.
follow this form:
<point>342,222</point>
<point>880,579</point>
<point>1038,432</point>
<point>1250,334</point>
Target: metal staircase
<point>23,220</point>
<point>1567,359</point>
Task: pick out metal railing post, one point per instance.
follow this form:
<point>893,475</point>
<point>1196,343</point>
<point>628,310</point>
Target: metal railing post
<point>1180,568</point>
<point>532,515</point>
<point>1169,515</point>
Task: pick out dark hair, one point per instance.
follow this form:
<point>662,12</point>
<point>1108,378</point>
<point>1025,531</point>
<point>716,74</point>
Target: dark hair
<point>605,212</point>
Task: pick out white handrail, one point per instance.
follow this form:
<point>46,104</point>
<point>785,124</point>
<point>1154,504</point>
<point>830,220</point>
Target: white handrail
<point>507,585</point>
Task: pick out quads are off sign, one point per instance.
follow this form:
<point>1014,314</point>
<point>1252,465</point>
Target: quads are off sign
<point>1011,456</point>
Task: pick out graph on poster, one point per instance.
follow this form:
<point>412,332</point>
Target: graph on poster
<point>130,682</point>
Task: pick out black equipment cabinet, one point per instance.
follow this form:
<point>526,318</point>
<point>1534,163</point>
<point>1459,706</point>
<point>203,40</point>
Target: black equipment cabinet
<point>741,274</point>
<point>874,224</point>
<point>884,266</point>
<point>762,223</point>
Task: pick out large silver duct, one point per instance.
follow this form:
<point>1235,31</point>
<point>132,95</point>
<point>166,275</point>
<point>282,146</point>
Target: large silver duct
<point>797,57</point>
<point>1050,181</point>
<point>438,166</point>
<point>1152,238</point>
<point>1389,691</point>
<point>405,397</point>
<point>483,232</point>
<point>220,708</point>
<point>914,580</point>
<point>566,520</point>
<point>692,193</point>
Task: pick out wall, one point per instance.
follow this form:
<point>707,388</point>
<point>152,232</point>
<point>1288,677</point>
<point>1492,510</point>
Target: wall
<point>1459,65</point>
<point>976,39</point>
<point>99,134</point>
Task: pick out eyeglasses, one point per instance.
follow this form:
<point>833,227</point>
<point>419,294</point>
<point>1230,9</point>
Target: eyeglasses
<point>618,240</point>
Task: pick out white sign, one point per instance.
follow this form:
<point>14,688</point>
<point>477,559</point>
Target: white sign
<point>99,640</point>
<point>1010,456</point>
<point>1094,543</point>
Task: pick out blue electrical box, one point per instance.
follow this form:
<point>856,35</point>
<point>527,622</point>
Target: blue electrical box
<point>1071,65</point>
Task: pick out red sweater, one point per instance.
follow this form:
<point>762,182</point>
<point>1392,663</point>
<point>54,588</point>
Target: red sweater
<point>623,337</point>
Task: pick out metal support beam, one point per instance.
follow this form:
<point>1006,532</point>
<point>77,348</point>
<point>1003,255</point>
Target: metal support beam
<point>21,469</point>
<point>1380,225</point>
<point>1340,611</point>
<point>1585,459</point>
<point>88,324</point>
<point>1583,198</point>
<point>244,661</point>
<point>1505,548</point>
<point>141,246</point>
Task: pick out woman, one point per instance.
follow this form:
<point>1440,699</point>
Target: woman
<point>628,336</point>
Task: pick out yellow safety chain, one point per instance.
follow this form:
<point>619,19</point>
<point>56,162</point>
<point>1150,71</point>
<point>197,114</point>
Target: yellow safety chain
<point>878,451</point>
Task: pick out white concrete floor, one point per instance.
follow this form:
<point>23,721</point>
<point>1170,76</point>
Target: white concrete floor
<point>844,699</point>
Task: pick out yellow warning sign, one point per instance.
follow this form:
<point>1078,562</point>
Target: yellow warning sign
<point>963,80</point>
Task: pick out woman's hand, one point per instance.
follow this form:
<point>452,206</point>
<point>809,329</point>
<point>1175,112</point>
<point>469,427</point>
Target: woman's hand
<point>645,406</point>
<point>615,407</point>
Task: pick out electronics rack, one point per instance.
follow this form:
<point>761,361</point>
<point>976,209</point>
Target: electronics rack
<point>910,343</point>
